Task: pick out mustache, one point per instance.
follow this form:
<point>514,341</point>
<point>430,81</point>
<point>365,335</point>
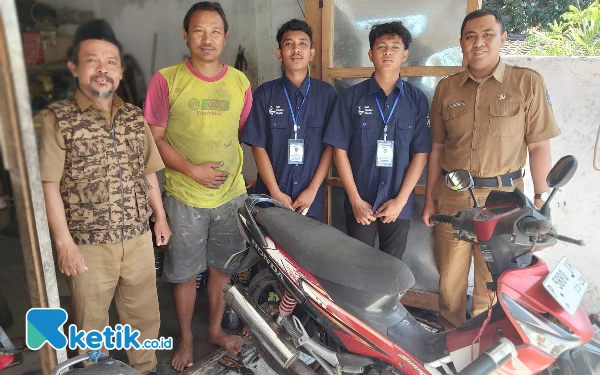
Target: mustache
<point>95,77</point>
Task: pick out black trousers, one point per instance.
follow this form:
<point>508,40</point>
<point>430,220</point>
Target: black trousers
<point>392,236</point>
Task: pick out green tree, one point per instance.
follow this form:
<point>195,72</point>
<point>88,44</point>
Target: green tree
<point>522,15</point>
<point>577,34</point>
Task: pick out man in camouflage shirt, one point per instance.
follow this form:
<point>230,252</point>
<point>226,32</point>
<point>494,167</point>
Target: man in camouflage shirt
<point>98,162</point>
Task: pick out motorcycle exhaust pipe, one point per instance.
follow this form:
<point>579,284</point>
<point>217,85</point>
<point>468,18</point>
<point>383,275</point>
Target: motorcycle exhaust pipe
<point>492,359</point>
<point>265,329</point>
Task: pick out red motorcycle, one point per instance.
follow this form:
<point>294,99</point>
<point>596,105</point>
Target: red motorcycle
<point>329,304</point>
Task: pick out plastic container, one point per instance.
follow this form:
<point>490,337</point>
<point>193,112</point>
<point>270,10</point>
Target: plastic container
<point>231,320</point>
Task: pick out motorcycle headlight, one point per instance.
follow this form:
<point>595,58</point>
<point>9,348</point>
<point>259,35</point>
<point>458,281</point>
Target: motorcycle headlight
<point>541,333</point>
<point>550,344</point>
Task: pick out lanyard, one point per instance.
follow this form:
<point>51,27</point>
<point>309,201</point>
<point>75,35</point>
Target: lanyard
<point>295,116</point>
<point>385,122</point>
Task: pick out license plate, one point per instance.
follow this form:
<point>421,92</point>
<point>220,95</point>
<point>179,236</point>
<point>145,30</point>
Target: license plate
<point>567,285</point>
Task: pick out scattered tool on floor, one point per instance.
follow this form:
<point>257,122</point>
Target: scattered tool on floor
<point>235,365</point>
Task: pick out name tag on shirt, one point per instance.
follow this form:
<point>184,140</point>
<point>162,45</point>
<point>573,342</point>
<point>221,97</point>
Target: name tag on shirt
<point>295,151</point>
<point>385,154</point>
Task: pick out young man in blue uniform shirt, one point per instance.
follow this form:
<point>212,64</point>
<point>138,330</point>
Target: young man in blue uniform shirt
<point>286,126</point>
<point>381,138</point>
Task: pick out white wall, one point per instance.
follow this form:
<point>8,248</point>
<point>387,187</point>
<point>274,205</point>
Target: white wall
<point>573,85</point>
<point>252,24</point>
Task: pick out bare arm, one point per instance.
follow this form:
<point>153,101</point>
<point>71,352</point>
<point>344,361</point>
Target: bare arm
<point>540,163</point>
<point>322,168</point>
<point>55,210</point>
<point>70,260</point>
<point>306,198</point>
<point>345,171</point>
<point>363,211</point>
<point>433,174</point>
<point>161,227</point>
<point>170,157</point>
<point>265,169</point>
<point>415,169</point>
<point>204,174</point>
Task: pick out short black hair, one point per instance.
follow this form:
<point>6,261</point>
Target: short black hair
<point>294,25</point>
<point>482,13</point>
<point>390,28</point>
<point>205,5</point>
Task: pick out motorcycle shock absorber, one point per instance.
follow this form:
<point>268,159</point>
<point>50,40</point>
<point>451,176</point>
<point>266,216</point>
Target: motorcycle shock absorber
<point>286,306</point>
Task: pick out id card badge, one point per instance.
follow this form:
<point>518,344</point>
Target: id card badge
<point>385,154</point>
<point>295,151</point>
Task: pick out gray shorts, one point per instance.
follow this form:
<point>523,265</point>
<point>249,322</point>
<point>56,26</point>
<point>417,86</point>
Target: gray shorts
<point>201,237</point>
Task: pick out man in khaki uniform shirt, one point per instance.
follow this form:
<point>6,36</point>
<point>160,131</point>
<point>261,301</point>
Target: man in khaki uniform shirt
<point>98,161</point>
<point>485,120</point>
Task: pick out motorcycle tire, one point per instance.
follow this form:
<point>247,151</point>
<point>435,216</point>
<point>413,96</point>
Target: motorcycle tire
<point>259,284</point>
<point>6,318</point>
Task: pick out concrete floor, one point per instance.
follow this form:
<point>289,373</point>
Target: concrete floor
<point>13,284</point>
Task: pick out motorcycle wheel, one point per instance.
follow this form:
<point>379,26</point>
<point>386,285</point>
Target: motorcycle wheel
<point>6,318</point>
<point>260,290</point>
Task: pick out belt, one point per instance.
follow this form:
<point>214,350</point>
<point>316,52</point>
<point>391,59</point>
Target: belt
<point>498,181</point>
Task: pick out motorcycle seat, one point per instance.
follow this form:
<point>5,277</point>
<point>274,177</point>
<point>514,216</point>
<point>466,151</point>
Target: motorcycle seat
<point>352,272</point>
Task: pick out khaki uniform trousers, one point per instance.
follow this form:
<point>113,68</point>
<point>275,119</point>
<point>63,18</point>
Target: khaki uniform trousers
<point>453,257</point>
<point>125,271</point>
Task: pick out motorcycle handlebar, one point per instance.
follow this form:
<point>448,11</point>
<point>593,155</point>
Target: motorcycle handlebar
<point>531,227</point>
<point>570,240</point>
<point>447,219</point>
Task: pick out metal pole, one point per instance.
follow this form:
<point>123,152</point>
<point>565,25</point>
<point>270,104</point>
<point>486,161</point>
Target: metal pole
<point>18,141</point>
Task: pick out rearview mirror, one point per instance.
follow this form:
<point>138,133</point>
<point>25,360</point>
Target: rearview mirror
<point>558,177</point>
<point>459,180</point>
<point>562,172</point>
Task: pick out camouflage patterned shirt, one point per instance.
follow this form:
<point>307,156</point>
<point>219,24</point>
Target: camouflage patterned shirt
<point>102,182</point>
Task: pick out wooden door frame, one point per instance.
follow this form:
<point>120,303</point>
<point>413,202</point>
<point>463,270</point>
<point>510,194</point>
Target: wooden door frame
<point>319,15</point>
<point>19,153</point>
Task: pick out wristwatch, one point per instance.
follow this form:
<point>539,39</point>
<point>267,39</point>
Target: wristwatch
<point>543,196</point>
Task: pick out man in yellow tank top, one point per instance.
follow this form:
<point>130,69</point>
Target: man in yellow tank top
<point>196,110</point>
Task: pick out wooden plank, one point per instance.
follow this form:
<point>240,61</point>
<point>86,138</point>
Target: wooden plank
<point>473,5</point>
<point>328,220</point>
<point>314,20</point>
<point>334,182</point>
<point>405,71</point>
<point>420,190</point>
<point>421,300</point>
<point>326,203</point>
<point>327,39</point>
<point>210,365</point>
<point>326,63</point>
<point>20,154</point>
